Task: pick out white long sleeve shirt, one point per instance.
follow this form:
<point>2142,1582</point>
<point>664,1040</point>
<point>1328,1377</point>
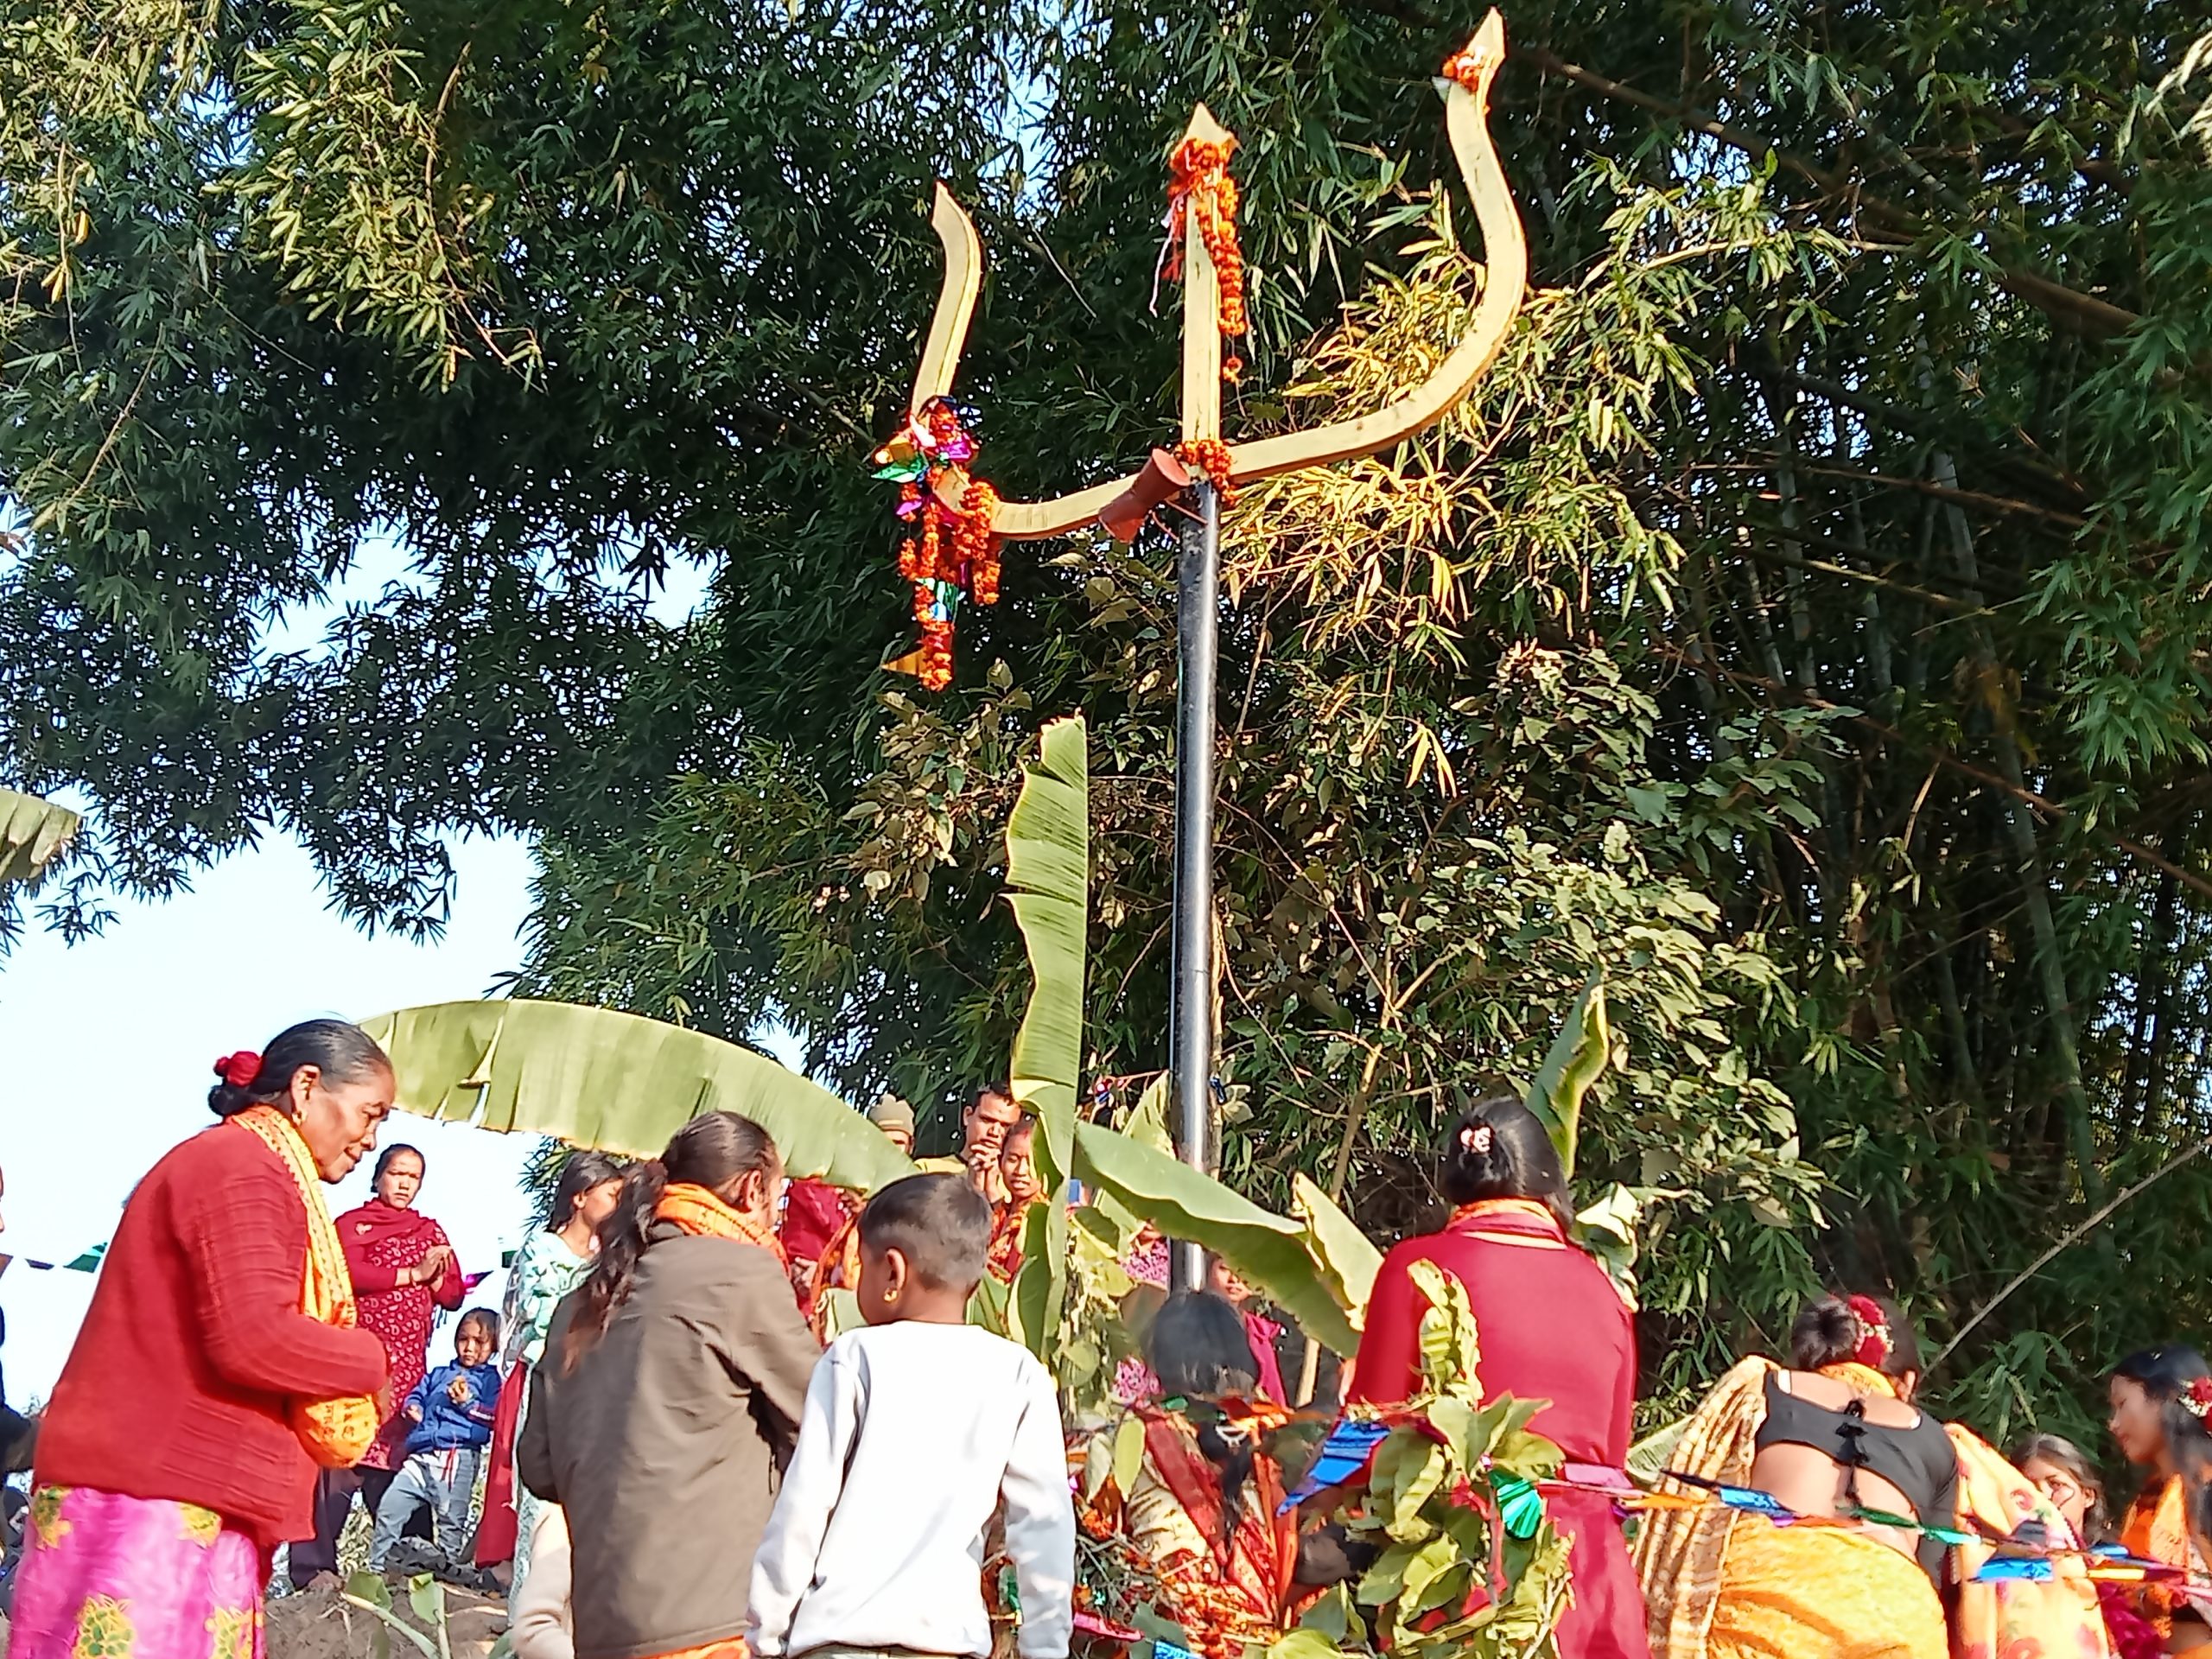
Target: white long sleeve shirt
<point>912,1435</point>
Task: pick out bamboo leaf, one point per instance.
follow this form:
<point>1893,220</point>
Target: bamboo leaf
<point>618,1082</point>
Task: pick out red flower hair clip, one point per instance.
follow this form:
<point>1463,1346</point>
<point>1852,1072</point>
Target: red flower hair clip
<point>239,1069</point>
<point>1873,1331</point>
<point>2196,1399</point>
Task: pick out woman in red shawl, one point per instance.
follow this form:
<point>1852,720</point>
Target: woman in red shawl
<point>1553,1328</point>
<point>404,1270</point>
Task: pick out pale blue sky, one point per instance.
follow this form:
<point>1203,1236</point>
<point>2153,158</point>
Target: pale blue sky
<point>109,1044</point>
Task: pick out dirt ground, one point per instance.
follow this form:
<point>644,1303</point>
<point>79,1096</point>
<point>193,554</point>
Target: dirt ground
<point>317,1624</point>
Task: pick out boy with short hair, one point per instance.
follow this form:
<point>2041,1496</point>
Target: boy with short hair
<point>452,1408</point>
<point>915,1427</point>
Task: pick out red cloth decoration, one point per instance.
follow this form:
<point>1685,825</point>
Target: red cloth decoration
<point>815,1212</point>
<point>239,1069</point>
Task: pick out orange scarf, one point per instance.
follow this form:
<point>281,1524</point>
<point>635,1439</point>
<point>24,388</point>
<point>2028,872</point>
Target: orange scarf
<point>2158,1529</point>
<point>335,1432</point>
<point>700,1213</point>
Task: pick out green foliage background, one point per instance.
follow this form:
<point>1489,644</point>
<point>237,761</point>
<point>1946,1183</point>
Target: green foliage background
<point>1805,624</point>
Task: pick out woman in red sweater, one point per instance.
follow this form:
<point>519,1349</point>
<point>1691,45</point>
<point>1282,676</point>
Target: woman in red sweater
<point>1553,1328</point>
<point>176,1453</point>
<point>404,1271</point>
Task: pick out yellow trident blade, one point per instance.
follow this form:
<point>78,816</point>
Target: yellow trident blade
<point>1505,283</point>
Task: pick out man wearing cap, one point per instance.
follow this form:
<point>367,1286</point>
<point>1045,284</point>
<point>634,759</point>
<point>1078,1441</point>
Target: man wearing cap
<point>896,1119</point>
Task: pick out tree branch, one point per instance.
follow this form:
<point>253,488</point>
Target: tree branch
<point>2057,301</point>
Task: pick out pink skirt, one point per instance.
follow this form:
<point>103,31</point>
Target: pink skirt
<point>109,1577</point>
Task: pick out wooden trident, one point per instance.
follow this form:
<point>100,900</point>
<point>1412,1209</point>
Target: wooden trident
<point>1122,504</point>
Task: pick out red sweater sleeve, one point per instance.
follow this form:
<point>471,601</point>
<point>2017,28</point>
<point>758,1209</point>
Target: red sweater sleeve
<point>1383,1369</point>
<point>450,1288</point>
<point>247,1244</point>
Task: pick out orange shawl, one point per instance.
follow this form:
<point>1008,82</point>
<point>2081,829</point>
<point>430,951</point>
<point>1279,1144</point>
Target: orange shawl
<point>336,1432</point>
<point>2156,1528</point>
<point>700,1213</point>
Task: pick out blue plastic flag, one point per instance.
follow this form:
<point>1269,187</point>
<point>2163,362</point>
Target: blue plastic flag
<point>2015,1569</point>
<point>1344,1454</point>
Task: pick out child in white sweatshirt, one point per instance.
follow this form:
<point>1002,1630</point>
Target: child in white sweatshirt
<point>916,1426</point>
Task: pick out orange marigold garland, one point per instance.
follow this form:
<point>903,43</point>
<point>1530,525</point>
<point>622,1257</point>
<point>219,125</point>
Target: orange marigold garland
<point>1199,178</point>
<point>1211,457</point>
<point>954,555</point>
<point>1467,67</point>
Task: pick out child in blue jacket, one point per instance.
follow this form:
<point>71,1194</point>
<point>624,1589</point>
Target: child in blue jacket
<point>452,1409</point>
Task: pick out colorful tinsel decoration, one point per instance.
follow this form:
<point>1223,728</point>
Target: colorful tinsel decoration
<point>954,555</point>
<point>1199,178</point>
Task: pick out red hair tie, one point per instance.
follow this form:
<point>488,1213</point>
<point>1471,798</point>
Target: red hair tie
<point>2196,1399</point>
<point>1873,1331</point>
<point>239,1069</point>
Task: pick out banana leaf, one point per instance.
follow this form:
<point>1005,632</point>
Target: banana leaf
<point>1346,1257</point>
<point>32,832</point>
<point>1303,1267</point>
<point>1578,1057</point>
<point>1048,875</point>
<point>618,1082</point>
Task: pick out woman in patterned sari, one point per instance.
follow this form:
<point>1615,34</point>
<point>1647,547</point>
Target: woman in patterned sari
<point>1201,1511</point>
<point>404,1271</point>
<point>1836,1435</point>
<point>212,1374</point>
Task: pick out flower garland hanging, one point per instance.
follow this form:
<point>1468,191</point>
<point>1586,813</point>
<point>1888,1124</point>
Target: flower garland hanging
<point>954,555</point>
<point>1209,456</point>
<point>1199,178</point>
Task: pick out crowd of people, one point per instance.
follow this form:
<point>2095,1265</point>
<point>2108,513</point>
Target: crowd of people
<point>727,1415</point>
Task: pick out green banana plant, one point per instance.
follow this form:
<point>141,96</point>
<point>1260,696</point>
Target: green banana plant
<point>1048,879</point>
<point>1577,1058</point>
<point>33,832</point>
<point>618,1082</point>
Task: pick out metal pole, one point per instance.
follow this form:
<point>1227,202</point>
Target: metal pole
<point>1198,604</point>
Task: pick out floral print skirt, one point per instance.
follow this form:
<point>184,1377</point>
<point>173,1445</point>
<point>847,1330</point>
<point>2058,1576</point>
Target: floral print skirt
<point>109,1577</point>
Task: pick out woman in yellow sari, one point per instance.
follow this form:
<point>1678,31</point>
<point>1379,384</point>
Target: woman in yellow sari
<point>1834,1436</point>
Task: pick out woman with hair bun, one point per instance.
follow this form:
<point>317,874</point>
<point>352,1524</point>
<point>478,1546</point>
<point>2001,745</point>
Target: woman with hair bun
<point>1838,1433</point>
<point>1553,1328</point>
<point>672,1380</point>
<point>1834,1432</point>
<point>212,1376</point>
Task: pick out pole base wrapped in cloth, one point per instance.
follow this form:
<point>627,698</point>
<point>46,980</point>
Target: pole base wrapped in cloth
<point>109,1577</point>
<point>1821,1592</point>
